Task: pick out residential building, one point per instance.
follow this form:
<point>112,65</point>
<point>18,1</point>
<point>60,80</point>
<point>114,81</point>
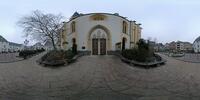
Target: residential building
<point>179,46</point>
<point>13,47</point>
<point>171,46</point>
<point>196,45</point>
<point>48,45</point>
<point>188,46</point>
<point>38,46</point>
<point>6,46</point>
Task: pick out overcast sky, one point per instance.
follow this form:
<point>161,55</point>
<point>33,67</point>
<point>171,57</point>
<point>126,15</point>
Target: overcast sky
<point>165,20</point>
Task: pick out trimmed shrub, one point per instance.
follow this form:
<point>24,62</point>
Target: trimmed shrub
<point>57,57</point>
<point>141,54</point>
<point>28,53</point>
<point>69,54</point>
<point>74,48</point>
<point>130,54</point>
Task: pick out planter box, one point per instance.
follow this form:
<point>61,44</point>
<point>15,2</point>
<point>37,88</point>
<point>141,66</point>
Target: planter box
<point>144,64</point>
<point>58,62</point>
<point>136,63</point>
<point>54,63</point>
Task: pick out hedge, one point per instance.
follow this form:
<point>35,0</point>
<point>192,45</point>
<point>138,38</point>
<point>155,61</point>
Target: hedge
<point>28,53</point>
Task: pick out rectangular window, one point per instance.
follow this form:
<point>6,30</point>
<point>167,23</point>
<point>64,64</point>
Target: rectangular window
<point>124,28</point>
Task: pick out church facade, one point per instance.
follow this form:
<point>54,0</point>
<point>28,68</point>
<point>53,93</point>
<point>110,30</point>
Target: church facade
<point>99,33</point>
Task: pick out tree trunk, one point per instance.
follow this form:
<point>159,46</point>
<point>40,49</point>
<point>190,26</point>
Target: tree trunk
<point>53,43</point>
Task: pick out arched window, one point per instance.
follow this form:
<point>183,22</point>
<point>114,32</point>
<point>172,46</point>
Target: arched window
<point>124,28</point>
<point>98,17</point>
<point>73,26</point>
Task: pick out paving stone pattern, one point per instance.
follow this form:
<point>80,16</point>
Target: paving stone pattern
<point>9,57</point>
<point>194,58</point>
<point>99,78</point>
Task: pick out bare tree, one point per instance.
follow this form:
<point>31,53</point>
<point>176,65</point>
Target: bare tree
<point>42,27</point>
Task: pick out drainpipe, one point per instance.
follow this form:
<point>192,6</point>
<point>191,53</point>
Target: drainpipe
<point>130,28</point>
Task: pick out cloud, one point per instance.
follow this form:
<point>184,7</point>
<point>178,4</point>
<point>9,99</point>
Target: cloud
<point>166,20</point>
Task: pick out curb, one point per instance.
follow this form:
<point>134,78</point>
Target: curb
<point>12,61</point>
<point>142,65</point>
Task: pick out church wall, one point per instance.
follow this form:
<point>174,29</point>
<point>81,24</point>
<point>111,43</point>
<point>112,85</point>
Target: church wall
<point>84,24</point>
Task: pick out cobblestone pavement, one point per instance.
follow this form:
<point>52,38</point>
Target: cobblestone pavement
<point>9,57</point>
<point>99,78</point>
<point>190,58</point>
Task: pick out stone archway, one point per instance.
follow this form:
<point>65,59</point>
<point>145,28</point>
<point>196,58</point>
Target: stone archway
<point>99,40</point>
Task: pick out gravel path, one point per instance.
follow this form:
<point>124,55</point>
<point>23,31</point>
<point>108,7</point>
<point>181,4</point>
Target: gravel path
<point>99,78</point>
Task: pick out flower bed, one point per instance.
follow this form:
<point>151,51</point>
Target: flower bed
<point>57,58</point>
<point>142,55</point>
<point>144,64</point>
<point>141,58</point>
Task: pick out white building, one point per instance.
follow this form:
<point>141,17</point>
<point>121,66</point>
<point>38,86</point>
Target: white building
<point>13,47</point>
<point>196,45</point>
<point>99,33</point>
<point>38,46</point>
<point>6,46</point>
<point>179,46</point>
<point>48,45</point>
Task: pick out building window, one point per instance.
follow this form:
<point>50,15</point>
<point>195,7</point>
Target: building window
<point>124,28</point>
<point>98,17</point>
<point>73,27</point>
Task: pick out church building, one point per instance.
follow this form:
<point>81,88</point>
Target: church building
<point>99,33</point>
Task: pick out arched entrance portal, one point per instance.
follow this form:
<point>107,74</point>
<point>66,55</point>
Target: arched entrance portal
<point>98,42</point>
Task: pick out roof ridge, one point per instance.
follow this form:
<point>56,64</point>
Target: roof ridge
<point>197,39</point>
<point>2,39</point>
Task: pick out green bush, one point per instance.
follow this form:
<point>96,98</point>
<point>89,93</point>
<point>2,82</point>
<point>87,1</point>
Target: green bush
<point>28,53</point>
<point>143,53</point>
<point>74,48</point>
<point>130,53</point>
<point>69,54</point>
